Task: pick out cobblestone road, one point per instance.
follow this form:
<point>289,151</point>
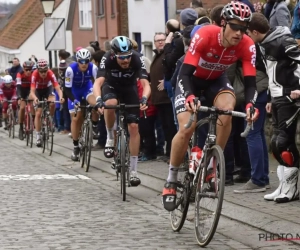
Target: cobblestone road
<point>47,205</point>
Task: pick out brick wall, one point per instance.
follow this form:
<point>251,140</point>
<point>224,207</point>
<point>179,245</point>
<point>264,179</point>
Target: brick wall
<point>124,18</point>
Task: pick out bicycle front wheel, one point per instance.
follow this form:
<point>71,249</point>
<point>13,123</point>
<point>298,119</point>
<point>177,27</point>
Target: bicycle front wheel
<point>209,197</point>
<point>31,129</point>
<point>82,143</point>
<point>50,135</point>
<point>88,145</point>
<point>123,163</point>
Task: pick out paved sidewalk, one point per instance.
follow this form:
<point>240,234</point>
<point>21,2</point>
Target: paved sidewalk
<point>250,209</point>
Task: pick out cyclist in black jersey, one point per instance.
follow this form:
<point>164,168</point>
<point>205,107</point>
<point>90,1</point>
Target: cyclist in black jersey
<point>117,77</point>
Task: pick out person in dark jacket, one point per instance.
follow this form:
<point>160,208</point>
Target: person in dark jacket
<point>281,55</point>
<point>15,69</point>
<point>159,95</point>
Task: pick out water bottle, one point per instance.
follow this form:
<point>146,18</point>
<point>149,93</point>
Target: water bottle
<point>195,157</point>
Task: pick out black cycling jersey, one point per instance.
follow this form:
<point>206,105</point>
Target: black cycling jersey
<point>114,74</point>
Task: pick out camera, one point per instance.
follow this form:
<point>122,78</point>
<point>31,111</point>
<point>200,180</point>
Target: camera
<point>177,34</point>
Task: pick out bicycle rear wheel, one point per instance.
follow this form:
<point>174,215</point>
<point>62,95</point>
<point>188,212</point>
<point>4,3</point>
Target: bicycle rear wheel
<point>88,145</point>
<point>123,163</point>
<point>205,194</point>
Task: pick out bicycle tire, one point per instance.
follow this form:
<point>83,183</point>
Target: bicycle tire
<point>44,132</point>
<point>217,152</point>
<point>184,201</point>
<point>122,163</point>
<point>13,124</point>
<point>27,129</point>
<point>50,135</point>
<point>9,126</point>
<point>31,129</point>
<point>82,148</point>
<point>88,145</point>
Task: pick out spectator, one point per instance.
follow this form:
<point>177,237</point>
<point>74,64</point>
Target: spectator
<point>96,59</point>
<point>196,4</point>
<point>201,12</point>
<point>280,15</point>
<point>95,45</point>
<point>64,55</point>
<point>247,2</point>
<point>91,49</point>
<point>268,8</point>
<point>215,15</point>
<point>295,29</point>
<point>15,69</point>
<point>65,110</point>
<point>159,95</point>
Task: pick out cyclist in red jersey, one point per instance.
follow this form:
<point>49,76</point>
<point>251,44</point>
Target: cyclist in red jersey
<point>8,93</point>
<point>23,90</point>
<point>212,50</point>
<point>43,81</point>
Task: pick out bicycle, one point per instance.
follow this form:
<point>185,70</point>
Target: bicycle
<point>196,185</point>
<point>85,137</point>
<point>28,123</point>
<point>47,129</point>
<point>121,153</point>
<point>11,120</point>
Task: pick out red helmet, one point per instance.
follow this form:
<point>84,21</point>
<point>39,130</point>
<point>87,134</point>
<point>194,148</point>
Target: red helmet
<point>237,10</point>
<point>42,64</point>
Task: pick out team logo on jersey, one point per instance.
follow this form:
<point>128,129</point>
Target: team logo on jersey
<point>231,52</point>
<point>212,66</point>
<point>209,54</point>
<point>253,56</point>
<point>68,79</point>
<point>102,63</point>
<point>196,40</point>
<point>142,62</point>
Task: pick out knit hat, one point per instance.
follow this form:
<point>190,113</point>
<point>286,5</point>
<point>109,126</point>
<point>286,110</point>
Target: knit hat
<point>188,16</point>
<point>78,48</point>
<point>62,64</point>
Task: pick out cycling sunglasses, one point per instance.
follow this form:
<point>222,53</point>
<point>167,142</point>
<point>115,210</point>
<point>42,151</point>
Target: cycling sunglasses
<point>124,57</point>
<point>27,69</point>
<point>83,61</point>
<point>237,27</point>
<point>43,71</point>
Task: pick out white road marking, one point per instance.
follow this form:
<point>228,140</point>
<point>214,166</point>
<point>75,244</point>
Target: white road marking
<point>25,177</point>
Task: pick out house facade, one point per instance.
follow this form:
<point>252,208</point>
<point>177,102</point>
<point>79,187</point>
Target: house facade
<point>99,20</point>
<point>22,31</point>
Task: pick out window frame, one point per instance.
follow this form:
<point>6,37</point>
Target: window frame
<point>85,14</point>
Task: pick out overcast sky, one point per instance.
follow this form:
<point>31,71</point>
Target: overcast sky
<point>9,1</point>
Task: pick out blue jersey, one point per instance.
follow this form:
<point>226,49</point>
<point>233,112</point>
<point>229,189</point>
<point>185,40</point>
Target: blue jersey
<point>76,79</point>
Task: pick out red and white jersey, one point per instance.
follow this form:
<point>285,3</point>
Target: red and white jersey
<point>38,82</point>
<point>8,93</point>
<point>211,59</point>
<point>23,80</point>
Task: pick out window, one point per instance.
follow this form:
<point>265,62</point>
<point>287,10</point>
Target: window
<point>137,37</point>
<point>85,14</point>
<point>101,8</point>
<point>112,7</point>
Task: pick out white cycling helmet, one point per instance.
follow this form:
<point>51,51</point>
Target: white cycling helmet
<point>83,54</point>
<point>7,79</point>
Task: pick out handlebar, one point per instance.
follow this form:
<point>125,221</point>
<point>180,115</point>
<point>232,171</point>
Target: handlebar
<point>220,112</point>
<point>123,106</point>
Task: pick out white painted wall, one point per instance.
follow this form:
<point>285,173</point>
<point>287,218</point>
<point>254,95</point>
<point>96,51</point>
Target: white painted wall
<point>35,45</point>
<point>147,17</point>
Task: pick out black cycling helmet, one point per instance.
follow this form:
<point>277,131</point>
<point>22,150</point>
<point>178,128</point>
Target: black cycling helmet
<point>28,64</point>
<point>121,44</point>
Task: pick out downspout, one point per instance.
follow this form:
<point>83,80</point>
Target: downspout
<point>119,31</point>
<point>166,10</point>
<point>96,20</point>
